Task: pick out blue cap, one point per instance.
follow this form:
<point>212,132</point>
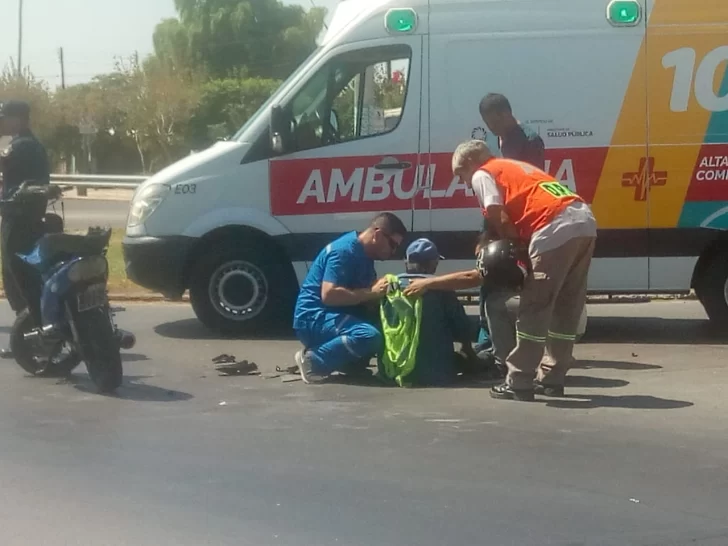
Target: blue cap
<point>422,251</point>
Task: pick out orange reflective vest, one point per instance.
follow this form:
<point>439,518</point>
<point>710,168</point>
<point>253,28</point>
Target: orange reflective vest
<point>531,197</point>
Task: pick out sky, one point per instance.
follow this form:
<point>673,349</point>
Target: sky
<point>91,32</point>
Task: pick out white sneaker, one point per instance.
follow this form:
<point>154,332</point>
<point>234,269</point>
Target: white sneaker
<point>304,367</point>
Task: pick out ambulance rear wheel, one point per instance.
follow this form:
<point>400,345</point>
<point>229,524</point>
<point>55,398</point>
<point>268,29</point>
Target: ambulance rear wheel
<point>243,290</point>
<point>712,290</point>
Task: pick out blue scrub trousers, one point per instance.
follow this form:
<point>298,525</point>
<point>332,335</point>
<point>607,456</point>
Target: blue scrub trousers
<point>337,341</point>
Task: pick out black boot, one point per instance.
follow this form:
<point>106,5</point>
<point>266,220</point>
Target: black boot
<point>556,391</point>
<point>6,353</point>
<point>505,392</point>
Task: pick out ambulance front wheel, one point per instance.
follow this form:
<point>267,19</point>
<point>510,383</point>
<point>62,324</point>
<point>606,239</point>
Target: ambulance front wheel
<point>243,290</point>
<point>712,290</point>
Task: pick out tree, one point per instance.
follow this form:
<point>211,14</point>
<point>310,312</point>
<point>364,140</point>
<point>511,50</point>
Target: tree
<point>267,37</point>
<point>225,105</point>
<point>96,103</point>
<point>36,92</point>
<point>157,101</point>
<point>171,44</point>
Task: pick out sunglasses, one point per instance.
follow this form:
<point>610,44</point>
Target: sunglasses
<point>393,245</point>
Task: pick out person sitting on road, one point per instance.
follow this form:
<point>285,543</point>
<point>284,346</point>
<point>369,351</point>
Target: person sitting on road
<point>331,318</point>
<point>443,323</point>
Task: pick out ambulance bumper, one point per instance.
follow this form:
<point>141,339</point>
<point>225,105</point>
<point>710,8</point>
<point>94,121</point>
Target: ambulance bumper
<point>158,263</point>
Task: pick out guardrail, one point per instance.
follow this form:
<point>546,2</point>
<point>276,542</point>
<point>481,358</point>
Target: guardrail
<point>97,180</point>
<point>83,182</point>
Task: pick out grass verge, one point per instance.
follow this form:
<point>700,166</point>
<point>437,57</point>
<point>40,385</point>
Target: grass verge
<point>119,284</point>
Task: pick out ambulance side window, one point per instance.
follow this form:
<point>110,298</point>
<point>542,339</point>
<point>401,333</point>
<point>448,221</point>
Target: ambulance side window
<point>356,95</point>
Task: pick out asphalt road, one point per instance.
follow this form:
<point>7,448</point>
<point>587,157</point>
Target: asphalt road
<point>82,213</point>
<point>635,455</point>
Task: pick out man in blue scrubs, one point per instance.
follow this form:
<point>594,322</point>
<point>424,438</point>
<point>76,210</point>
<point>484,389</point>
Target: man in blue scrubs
<point>334,304</point>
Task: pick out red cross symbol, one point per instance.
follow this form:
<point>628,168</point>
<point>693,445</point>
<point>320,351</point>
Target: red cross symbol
<point>645,177</point>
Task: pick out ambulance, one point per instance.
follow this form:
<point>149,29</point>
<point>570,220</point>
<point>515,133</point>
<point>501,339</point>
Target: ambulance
<point>629,96</point>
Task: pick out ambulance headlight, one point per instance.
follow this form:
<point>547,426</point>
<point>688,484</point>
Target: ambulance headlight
<point>145,202</point>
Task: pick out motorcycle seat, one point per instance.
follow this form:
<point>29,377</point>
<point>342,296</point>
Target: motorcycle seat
<point>55,247</point>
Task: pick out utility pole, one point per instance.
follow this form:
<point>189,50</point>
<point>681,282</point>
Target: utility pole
<point>20,38</point>
<point>63,69</point>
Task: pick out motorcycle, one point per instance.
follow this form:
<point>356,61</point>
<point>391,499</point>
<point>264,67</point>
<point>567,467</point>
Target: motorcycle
<point>63,279</point>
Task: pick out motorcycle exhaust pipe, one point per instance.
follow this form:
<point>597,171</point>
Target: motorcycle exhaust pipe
<point>127,340</point>
<point>33,335</point>
<point>38,333</point>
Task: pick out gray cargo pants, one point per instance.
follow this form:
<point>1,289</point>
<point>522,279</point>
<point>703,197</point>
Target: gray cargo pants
<point>501,329</point>
<point>548,317</point>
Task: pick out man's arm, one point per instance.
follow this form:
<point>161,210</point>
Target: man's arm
<point>500,221</point>
<point>491,201</point>
<point>338,296</point>
<point>460,280</point>
<point>333,291</point>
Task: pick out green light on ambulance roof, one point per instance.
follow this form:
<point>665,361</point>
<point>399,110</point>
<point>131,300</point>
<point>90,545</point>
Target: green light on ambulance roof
<point>400,20</point>
<point>624,13</point>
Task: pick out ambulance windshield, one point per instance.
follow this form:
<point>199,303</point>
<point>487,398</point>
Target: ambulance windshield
<point>240,135</point>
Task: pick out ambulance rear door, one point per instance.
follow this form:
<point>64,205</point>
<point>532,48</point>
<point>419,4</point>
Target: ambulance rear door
<point>687,65</point>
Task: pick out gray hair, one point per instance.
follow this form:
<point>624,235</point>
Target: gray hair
<point>469,153</point>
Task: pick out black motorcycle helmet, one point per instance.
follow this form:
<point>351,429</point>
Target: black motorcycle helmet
<point>500,267</point>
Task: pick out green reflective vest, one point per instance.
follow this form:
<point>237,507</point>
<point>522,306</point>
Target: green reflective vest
<point>401,318</point>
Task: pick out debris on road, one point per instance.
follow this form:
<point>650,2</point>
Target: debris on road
<point>287,375</point>
<point>227,365</point>
<point>223,359</point>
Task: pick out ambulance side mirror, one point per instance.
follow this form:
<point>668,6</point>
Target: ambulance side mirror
<point>279,130</point>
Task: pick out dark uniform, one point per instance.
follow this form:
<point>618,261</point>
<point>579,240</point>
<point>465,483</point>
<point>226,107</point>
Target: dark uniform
<point>523,144</point>
<point>24,160</point>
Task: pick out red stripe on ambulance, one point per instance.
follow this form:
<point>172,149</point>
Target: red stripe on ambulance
<point>354,184</point>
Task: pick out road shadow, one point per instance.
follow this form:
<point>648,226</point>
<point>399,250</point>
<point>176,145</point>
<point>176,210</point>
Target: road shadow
<point>586,382</point>
<point>653,330</point>
<point>613,365</point>
<point>133,357</point>
<point>357,381</point>
<point>133,389</point>
<point>194,329</point>
<point>635,401</point>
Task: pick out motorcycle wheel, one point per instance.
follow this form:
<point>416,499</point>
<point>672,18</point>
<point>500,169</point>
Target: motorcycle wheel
<point>35,357</point>
<point>100,348</point>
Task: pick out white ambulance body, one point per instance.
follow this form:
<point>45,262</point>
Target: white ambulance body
<point>629,96</point>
